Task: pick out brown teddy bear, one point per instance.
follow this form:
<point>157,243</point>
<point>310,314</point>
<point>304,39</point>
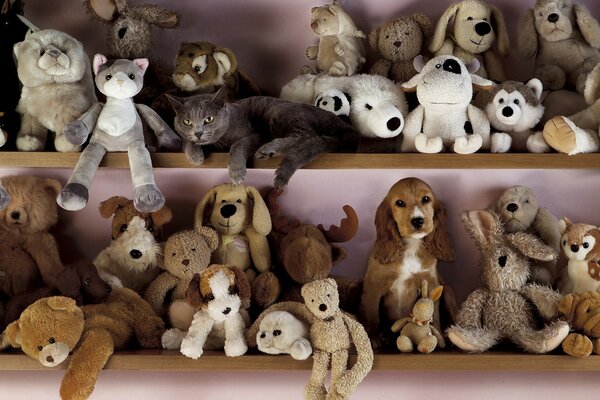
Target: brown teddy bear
<point>52,327</point>
<point>397,43</point>
<point>186,253</point>
<point>582,311</point>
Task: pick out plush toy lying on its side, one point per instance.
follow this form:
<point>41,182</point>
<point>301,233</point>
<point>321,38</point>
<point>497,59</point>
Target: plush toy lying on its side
<point>282,333</point>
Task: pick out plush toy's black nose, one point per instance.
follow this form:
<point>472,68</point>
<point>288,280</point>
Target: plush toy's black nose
<point>15,215</point>
<point>553,17</point>
<point>393,123</point>
<point>417,222</point>
<point>483,28</point>
<point>49,359</point>
<point>574,248</point>
<point>512,207</point>
<point>507,112</point>
<point>323,307</point>
<point>185,261</point>
<point>228,210</point>
<point>135,254</point>
<point>227,311</point>
<point>452,66</point>
<point>397,43</point>
<point>122,32</point>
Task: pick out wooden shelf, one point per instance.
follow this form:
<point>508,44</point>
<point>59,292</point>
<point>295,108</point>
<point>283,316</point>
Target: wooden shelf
<point>326,161</point>
<point>171,360</point>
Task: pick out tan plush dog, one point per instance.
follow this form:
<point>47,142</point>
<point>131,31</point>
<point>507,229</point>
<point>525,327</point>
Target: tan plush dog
<point>564,39</point>
<point>478,26</point>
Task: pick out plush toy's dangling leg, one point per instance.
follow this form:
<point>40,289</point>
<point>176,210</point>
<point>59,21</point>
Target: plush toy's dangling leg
<point>315,390</point>
<point>4,198</point>
<point>146,195</point>
<point>473,340</point>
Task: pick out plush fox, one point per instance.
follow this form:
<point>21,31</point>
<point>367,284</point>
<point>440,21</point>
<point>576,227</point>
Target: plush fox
<point>581,245</point>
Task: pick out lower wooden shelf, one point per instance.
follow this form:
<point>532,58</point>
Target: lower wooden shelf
<point>172,360</point>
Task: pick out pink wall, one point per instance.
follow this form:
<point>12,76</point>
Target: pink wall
<point>269,37</point>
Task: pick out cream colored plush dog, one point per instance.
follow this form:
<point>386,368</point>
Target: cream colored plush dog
<point>477,27</point>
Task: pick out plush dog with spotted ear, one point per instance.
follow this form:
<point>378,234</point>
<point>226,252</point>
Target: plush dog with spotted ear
<point>445,118</point>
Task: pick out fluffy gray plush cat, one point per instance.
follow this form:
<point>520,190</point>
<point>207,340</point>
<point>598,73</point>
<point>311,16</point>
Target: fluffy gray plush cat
<point>261,125</point>
<point>117,126</point>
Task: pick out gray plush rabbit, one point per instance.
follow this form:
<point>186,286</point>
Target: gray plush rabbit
<point>504,308</point>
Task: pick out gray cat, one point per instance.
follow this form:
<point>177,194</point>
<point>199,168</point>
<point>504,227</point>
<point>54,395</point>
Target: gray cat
<point>261,125</point>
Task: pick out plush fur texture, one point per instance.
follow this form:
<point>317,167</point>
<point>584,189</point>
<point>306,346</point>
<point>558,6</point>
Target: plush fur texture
<point>396,43</point>
<point>332,333</point>
<point>506,307</point>
<point>117,126</point>
<point>582,312</point>
<point>411,237</point>
<point>445,118</point>
<point>564,39</point>
<point>134,256</point>
<point>341,50</point>
<point>478,32</point>
<point>580,243</point>
<point>93,333</point>
<point>57,88</point>
<point>262,126</point>
<point>519,211</point>
<point>282,333</point>
<point>335,101</point>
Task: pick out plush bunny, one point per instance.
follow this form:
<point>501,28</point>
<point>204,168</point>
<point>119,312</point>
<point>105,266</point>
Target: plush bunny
<point>506,306</point>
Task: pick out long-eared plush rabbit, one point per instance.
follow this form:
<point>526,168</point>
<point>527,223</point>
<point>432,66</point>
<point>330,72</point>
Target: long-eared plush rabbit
<point>504,308</point>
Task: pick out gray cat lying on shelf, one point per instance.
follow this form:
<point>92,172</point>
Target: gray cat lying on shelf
<point>261,125</point>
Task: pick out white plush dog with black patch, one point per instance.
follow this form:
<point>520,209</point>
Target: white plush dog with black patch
<point>280,332</point>
<point>445,118</point>
<point>335,101</point>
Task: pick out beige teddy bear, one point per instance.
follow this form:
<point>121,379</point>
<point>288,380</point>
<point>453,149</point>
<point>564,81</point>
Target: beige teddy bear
<point>397,43</point>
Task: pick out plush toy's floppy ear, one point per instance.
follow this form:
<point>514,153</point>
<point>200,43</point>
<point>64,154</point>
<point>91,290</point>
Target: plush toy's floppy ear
<point>563,224</point>
<point>210,236</point>
<point>62,303</point>
<point>480,83</point>
<point>424,23</point>
<point>202,209</point>
<point>502,40</point>
<point>261,219</point>
<point>374,38</point>
<point>104,10</point>
<point>220,98</point>
<point>440,30</point>
<point>482,225</point>
<point>588,25</point>
<point>53,185</point>
<point>532,247</point>
<point>11,336</point>
<point>110,206</point>
<point>159,16</point>
<point>142,64</point>
<point>162,216</point>
<point>176,102</point>
<point>527,35</point>
<point>243,286</point>
<point>337,254</point>
<point>225,59</point>
<point>411,85</point>
<point>192,294</point>
<point>536,86</point>
<point>99,60</point>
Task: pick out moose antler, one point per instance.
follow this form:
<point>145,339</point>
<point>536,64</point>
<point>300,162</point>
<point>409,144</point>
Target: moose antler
<point>347,229</point>
<point>280,223</point>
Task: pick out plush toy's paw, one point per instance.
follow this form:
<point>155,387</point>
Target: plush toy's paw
<point>556,334</point>
<point>404,344</point>
<point>148,198</point>
<point>428,145</point>
<point>560,134</point>
<point>339,49</point>
<point>4,198</point>
<point>3,138</point>
<point>237,173</point>
<point>76,133</point>
<point>73,197</point>
<point>172,339</point>
<point>427,345</point>
<point>168,140</point>
<point>312,52</point>
<point>537,144</point>
<point>62,145</point>
<point>577,345</point>
<point>29,143</point>
<point>468,144</point>
<point>301,349</point>
<point>306,70</point>
<point>191,348</point>
<point>501,143</point>
<point>338,69</point>
<point>149,330</point>
<point>235,348</point>
<point>314,392</point>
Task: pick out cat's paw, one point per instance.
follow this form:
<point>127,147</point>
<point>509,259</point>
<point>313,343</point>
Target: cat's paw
<point>76,133</point>
<point>29,143</point>
<point>267,151</point>
<point>168,141</point>
<point>148,198</point>
<point>73,197</point>
<point>4,198</point>
<point>237,173</point>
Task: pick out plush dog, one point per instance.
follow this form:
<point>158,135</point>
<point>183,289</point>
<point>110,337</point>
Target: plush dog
<point>134,255</point>
<point>582,312</point>
<point>580,243</point>
<point>478,26</point>
<point>397,42</point>
<point>57,88</point>
<point>282,333</point>
<point>564,39</point>
<point>445,117</point>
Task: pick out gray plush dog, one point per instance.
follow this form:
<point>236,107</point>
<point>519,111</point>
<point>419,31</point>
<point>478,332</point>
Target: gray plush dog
<point>117,126</point>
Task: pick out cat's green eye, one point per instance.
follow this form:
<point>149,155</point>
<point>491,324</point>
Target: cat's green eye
<point>187,122</point>
<point>209,120</point>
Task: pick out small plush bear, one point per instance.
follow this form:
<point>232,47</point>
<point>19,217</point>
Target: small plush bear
<point>397,43</point>
<point>282,333</point>
<point>582,311</point>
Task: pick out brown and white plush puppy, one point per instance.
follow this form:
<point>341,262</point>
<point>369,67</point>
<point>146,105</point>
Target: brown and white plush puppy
<point>564,38</point>
<point>221,296</point>
<point>477,27</point>
<point>133,257</point>
<point>411,238</point>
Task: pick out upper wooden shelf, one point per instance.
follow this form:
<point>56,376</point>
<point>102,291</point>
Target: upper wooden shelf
<point>327,161</point>
<point>172,360</point>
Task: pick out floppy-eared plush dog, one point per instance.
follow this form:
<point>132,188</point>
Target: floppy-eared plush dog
<point>411,238</point>
<point>478,32</point>
<point>564,38</point>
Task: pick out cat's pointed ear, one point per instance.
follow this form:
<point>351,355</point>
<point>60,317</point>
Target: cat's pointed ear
<point>142,64</point>
<point>220,98</point>
<point>176,102</point>
<point>99,60</point>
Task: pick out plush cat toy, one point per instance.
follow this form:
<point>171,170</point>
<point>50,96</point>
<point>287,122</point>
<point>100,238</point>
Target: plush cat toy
<point>117,126</point>
<point>262,126</point>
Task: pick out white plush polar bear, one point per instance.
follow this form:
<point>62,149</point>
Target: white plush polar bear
<point>282,333</point>
<point>445,116</point>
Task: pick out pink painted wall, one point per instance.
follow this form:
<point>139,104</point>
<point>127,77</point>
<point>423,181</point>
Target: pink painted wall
<point>269,37</point>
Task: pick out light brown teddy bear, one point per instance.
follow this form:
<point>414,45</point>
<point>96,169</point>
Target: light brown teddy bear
<point>397,43</point>
<point>52,327</point>
<point>186,253</point>
<point>582,311</point>
<point>332,334</point>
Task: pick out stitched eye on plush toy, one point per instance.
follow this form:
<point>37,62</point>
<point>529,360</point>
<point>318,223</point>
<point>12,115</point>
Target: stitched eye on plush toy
<point>368,107</point>
<point>40,348</point>
<point>400,203</point>
<point>51,340</point>
<point>502,261</point>
<point>527,201</point>
<point>209,120</point>
<point>209,297</point>
<point>123,228</point>
<point>108,77</point>
<point>387,36</point>
<point>586,245</point>
<point>276,332</point>
<point>187,122</point>
<point>425,199</point>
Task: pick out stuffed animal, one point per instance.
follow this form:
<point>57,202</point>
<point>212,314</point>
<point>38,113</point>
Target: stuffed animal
<point>341,50</point>
<point>505,308</point>
<point>332,334</point>
<point>117,126</point>
<point>221,296</point>
<point>282,333</point>
<point>514,109</point>
<point>57,88</point>
<point>186,253</point>
<point>519,211</point>
<point>564,39</point>
<point>582,312</point>
<point>335,101</point>
<point>53,327</point>
<point>445,118</point>
<point>417,330</point>
<point>134,257</point>
<point>478,26</point>
<point>397,42</point>
<point>580,243</point>
<point>4,198</point>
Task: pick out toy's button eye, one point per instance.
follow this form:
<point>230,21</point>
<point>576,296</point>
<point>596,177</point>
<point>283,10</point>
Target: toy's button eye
<point>516,102</point>
<point>51,340</point>
<point>469,18</point>
<point>131,76</point>
<point>173,254</point>
<point>197,68</point>
<point>187,122</point>
<point>438,66</point>
<point>150,228</point>
<point>501,101</point>
<point>223,201</point>
<point>564,242</point>
<point>108,77</point>
<point>238,201</point>
<point>276,332</point>
<point>586,245</point>
<point>400,203</point>
<point>123,228</point>
<point>40,348</point>
<point>194,249</point>
<point>425,199</point>
<point>210,297</point>
<point>368,106</point>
